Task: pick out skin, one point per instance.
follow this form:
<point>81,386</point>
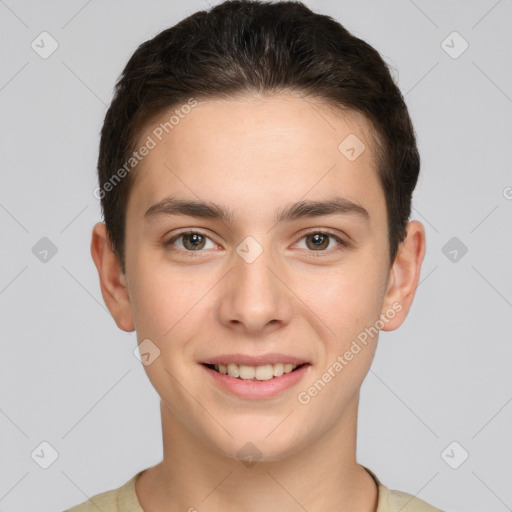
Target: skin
<point>255,156</point>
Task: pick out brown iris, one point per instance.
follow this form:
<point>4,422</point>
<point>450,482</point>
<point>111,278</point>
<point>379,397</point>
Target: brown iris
<point>320,241</point>
<point>197,241</point>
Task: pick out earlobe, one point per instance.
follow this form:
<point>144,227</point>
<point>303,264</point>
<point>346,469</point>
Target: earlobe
<point>404,276</point>
<point>112,281</point>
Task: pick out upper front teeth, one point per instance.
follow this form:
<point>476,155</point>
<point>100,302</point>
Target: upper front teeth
<point>264,372</point>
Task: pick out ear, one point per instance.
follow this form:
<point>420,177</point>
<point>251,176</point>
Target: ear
<point>112,279</point>
<point>404,276</point>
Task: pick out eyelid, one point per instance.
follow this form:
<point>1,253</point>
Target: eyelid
<point>189,231</point>
<point>323,231</point>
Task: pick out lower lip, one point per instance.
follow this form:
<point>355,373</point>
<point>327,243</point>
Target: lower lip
<point>258,389</point>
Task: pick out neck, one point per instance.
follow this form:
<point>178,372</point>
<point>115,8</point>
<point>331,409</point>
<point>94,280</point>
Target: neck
<point>322,476</point>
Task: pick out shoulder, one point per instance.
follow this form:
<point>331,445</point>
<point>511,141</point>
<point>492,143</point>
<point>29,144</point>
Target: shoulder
<point>106,501</point>
<point>397,501</point>
<point>122,499</point>
<point>404,502</point>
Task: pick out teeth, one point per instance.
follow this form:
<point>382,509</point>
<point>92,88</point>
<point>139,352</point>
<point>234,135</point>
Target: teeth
<point>233,370</point>
<point>264,372</point>
<point>278,369</point>
<point>246,372</point>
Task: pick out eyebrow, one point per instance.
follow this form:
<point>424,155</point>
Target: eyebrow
<point>301,209</point>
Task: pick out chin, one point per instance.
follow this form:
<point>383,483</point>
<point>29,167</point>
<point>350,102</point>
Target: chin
<point>260,443</point>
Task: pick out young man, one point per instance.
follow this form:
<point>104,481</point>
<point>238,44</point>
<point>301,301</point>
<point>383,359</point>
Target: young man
<point>256,170</point>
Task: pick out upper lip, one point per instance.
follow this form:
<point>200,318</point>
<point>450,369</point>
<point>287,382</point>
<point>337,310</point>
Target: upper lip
<point>249,360</point>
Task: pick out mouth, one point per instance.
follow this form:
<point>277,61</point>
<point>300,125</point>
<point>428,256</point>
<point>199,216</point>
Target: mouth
<point>255,373</point>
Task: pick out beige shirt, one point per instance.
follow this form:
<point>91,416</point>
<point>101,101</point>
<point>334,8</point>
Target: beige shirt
<point>124,499</point>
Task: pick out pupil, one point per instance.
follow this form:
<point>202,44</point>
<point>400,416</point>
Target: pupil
<point>194,240</point>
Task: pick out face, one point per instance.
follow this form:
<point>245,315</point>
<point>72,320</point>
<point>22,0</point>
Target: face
<point>230,260</point>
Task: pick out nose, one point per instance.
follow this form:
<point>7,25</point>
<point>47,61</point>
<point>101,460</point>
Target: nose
<point>255,298</point>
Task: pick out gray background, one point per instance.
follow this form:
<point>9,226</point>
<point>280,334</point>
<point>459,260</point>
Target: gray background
<point>68,374</point>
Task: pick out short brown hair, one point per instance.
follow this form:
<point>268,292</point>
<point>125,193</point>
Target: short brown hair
<point>253,46</point>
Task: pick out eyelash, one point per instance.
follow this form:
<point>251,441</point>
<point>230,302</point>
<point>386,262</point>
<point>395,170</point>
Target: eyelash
<point>169,243</point>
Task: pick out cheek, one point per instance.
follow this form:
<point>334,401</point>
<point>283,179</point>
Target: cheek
<point>171,303</point>
<point>346,299</point>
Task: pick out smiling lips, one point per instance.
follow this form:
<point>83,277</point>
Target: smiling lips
<point>261,368</point>
<point>256,377</point>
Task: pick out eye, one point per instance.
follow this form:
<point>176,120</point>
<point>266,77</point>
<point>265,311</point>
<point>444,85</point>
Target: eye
<point>191,241</point>
<point>319,241</point>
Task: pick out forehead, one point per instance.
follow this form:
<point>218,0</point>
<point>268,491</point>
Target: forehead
<point>249,147</point>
